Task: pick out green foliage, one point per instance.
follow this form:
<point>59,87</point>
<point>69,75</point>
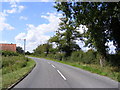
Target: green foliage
<point>114,60</point>
<point>51,55</point>
<point>19,50</point>
<point>65,37</point>
<point>101,18</point>
<point>77,56</point>
<point>15,70</point>
<point>90,57</point>
<point>43,48</point>
<point>59,56</point>
<point>87,58</point>
<point>12,63</point>
<point>8,53</point>
<point>118,77</point>
<point>28,53</point>
<point>53,50</point>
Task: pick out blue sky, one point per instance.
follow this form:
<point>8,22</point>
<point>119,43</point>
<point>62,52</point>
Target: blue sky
<point>34,21</point>
<point>32,11</point>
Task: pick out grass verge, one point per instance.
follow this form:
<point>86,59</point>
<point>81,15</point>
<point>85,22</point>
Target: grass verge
<point>109,71</point>
<point>11,77</point>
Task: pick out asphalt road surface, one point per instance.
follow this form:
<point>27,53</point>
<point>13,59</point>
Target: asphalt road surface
<point>50,74</point>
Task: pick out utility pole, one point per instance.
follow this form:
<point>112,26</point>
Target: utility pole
<point>24,46</point>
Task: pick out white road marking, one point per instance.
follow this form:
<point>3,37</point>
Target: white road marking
<point>53,66</point>
<point>61,74</point>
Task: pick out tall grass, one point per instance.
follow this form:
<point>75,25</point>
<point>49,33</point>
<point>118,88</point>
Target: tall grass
<point>12,63</point>
<point>13,68</point>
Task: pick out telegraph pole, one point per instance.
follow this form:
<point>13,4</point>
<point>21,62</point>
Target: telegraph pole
<point>24,46</point>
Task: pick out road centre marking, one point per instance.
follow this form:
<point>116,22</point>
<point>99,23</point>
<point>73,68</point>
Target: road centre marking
<point>61,75</point>
<point>53,66</point>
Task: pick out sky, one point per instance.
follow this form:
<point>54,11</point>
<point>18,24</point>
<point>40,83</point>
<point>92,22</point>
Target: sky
<point>34,21</point>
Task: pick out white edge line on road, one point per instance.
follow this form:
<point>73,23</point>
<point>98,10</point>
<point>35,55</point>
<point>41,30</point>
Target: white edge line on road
<point>53,66</point>
<point>61,74</point>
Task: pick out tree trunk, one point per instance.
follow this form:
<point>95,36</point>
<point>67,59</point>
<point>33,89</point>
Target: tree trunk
<point>102,61</point>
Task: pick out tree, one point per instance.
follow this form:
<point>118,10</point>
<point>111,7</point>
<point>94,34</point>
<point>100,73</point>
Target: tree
<point>19,50</point>
<point>28,53</point>
<point>101,18</point>
<point>65,37</point>
<point>43,48</point>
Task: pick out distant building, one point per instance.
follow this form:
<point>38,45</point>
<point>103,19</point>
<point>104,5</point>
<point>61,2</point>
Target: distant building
<point>8,47</point>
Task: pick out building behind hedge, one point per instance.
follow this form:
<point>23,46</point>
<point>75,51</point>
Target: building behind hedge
<point>8,47</point>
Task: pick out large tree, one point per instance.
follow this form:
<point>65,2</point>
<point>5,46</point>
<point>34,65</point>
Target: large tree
<point>43,48</point>
<point>101,18</point>
<point>65,37</point>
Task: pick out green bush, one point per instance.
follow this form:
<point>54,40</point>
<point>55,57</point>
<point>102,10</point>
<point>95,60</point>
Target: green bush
<point>8,53</point>
<point>59,56</point>
<point>89,57</point>
<point>84,57</point>
<point>118,77</point>
<point>51,56</point>
<point>40,55</point>
<point>114,59</point>
<point>77,56</point>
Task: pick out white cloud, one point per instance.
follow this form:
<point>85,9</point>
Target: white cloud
<point>111,47</point>
<point>20,8</point>
<point>53,19</point>
<point>3,24</point>
<point>12,1</point>
<point>19,39</point>
<point>81,45</point>
<point>20,36</point>
<point>46,0</point>
<point>3,41</point>
<point>13,5</point>
<point>37,35</point>
<point>28,1</point>
<point>82,29</point>
<point>15,9</point>
<point>23,18</point>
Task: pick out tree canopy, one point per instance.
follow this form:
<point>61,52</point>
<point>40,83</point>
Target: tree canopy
<point>43,48</point>
<point>101,18</point>
<point>65,37</point>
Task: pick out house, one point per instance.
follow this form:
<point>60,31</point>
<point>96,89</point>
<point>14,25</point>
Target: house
<point>8,47</point>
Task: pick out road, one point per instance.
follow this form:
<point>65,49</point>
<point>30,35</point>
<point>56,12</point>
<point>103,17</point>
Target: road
<point>50,74</point>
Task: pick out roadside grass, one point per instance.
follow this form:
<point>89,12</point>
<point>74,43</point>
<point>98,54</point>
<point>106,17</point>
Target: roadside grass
<point>0,79</point>
<point>14,68</point>
<point>109,71</point>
